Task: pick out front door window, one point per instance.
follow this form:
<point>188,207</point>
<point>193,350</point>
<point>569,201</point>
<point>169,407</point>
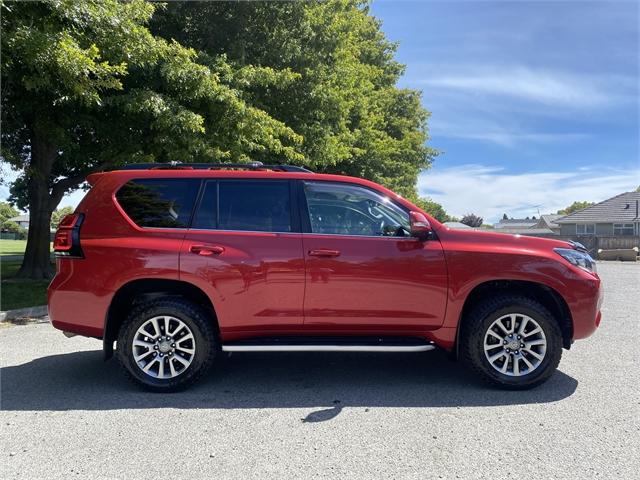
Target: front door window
<point>342,209</point>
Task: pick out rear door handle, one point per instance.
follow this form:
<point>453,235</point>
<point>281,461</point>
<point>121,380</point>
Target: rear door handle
<point>323,252</point>
<point>206,250</point>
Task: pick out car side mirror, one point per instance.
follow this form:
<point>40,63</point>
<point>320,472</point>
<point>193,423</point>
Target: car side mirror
<point>420,226</point>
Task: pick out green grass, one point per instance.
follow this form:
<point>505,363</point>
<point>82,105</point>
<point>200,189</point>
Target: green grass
<point>13,247</point>
<point>20,293</point>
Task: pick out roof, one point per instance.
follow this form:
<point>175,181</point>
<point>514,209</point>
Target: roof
<point>548,221</point>
<point>620,209</point>
<point>457,225</point>
<point>116,178</point>
<point>526,231</point>
<point>516,222</point>
<point>20,218</point>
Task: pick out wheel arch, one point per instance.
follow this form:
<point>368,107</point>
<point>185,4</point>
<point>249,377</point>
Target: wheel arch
<point>547,296</point>
<point>140,290</point>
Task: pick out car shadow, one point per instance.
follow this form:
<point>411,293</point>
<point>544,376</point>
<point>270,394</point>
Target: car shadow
<point>327,381</point>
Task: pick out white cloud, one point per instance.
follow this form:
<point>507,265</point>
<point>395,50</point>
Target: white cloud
<point>489,191</point>
<point>492,132</point>
<point>546,87</point>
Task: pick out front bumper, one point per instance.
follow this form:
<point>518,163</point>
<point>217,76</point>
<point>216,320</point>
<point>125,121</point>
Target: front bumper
<point>586,307</point>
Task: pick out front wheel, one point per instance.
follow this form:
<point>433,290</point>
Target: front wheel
<point>166,345</point>
<point>512,342</point>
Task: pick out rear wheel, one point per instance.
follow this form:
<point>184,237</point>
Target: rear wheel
<point>166,345</point>
<point>512,342</point>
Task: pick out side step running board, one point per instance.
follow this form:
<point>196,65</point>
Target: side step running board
<point>329,344</point>
<point>325,348</point>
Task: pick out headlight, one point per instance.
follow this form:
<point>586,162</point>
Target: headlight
<point>577,258</point>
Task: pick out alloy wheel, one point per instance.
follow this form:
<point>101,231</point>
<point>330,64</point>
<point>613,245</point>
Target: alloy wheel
<point>163,347</point>
<point>515,345</point>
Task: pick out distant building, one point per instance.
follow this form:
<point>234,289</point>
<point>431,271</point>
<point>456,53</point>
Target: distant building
<point>459,225</point>
<point>545,225</point>
<point>549,222</point>
<point>617,216</point>
<point>22,220</point>
<point>517,223</point>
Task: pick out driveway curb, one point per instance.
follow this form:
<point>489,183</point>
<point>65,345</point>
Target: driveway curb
<point>19,313</point>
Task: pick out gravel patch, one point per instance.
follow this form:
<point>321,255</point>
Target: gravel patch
<point>67,414</point>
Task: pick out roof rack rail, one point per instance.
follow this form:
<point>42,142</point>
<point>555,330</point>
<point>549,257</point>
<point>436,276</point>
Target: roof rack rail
<point>214,166</point>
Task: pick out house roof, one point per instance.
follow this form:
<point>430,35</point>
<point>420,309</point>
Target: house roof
<point>621,208</point>
<point>516,222</point>
<point>20,218</point>
<point>457,225</point>
<point>548,221</point>
<point>525,231</point>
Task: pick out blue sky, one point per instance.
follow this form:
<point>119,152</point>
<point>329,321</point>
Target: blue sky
<point>534,104</point>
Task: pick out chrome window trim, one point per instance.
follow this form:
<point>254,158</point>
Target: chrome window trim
<point>299,233</point>
<point>240,231</point>
<point>343,235</point>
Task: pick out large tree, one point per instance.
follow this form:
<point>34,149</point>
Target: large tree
<point>88,85</point>
<point>343,99</point>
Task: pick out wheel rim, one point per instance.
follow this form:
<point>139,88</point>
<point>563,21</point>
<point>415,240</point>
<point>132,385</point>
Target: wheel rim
<point>515,345</point>
<point>163,347</point>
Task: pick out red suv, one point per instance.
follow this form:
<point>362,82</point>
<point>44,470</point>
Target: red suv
<point>176,264</point>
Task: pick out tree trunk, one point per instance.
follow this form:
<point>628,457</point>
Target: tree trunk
<point>37,263</point>
<point>37,258</point>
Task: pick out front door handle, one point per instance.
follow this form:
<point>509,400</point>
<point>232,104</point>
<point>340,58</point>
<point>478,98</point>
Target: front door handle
<point>206,250</point>
<point>323,252</point>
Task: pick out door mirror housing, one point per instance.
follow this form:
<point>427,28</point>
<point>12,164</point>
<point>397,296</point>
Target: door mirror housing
<point>420,226</point>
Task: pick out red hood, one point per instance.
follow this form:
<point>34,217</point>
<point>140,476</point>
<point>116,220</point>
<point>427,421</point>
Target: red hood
<point>488,238</point>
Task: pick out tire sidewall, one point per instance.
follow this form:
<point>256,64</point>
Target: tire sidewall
<point>552,354</point>
<point>203,345</point>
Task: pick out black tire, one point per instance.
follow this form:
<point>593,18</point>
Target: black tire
<point>479,320</point>
<point>199,322</point>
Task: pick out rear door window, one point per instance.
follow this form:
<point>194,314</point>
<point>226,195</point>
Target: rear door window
<point>159,202</point>
<point>245,205</point>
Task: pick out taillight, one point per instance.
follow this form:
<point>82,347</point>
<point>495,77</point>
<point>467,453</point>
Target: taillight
<point>66,242</point>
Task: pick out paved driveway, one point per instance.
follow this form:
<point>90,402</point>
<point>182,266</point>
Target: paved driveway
<point>66,414</point>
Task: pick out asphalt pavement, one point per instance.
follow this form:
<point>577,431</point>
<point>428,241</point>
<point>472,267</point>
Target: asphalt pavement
<point>67,414</point>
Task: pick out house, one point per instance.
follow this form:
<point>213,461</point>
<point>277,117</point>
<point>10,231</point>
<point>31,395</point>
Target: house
<point>22,220</point>
<point>544,226</point>
<point>459,225</point>
<point>515,223</point>
<point>617,217</point>
<point>549,222</point>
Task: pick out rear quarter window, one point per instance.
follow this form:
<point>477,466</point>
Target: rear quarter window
<point>159,202</point>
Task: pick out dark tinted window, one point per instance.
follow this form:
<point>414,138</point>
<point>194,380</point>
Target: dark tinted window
<point>206,216</point>
<point>262,206</point>
<point>162,203</point>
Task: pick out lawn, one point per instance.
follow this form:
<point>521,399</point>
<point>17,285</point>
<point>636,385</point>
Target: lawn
<point>13,247</point>
<point>20,293</point>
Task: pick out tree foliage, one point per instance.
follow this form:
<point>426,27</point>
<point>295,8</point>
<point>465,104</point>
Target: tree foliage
<point>13,227</point>
<point>88,85</point>
<point>434,209</point>
<point>322,67</point>
<point>472,220</point>
<point>7,211</point>
<point>574,207</point>
<point>58,215</point>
